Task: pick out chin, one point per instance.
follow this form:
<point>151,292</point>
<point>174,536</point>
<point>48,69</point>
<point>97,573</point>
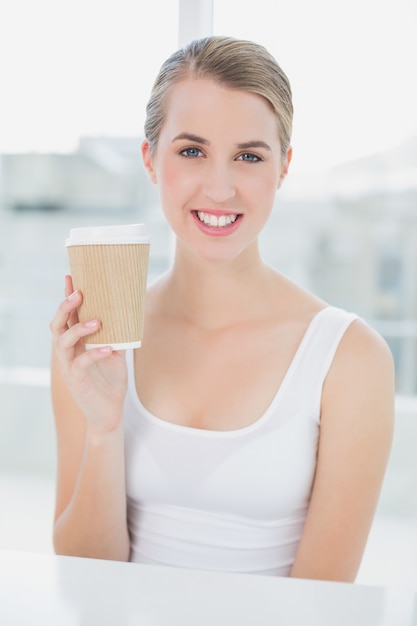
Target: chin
<point>219,253</point>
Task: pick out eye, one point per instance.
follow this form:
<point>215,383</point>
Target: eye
<point>249,157</point>
<point>191,152</point>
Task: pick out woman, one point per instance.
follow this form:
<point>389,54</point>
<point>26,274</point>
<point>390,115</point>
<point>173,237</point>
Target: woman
<point>252,429</point>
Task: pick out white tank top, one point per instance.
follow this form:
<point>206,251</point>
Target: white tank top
<point>230,500</point>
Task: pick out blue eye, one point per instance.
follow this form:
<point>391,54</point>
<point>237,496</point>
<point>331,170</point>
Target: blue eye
<point>249,157</point>
<point>191,152</point>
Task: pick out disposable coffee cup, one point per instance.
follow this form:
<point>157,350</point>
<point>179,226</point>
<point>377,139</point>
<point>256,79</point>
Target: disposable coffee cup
<point>109,265</point>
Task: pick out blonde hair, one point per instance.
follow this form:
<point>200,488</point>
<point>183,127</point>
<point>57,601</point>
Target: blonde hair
<point>237,64</point>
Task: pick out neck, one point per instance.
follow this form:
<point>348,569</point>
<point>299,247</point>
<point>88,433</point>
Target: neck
<point>213,294</point>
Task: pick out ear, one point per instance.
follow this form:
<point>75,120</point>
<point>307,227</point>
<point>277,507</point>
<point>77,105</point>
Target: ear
<point>148,160</point>
<point>285,164</point>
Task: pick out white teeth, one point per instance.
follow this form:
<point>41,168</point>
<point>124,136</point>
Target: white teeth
<point>217,222</point>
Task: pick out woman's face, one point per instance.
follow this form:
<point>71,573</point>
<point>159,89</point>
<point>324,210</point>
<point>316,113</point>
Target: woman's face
<point>218,164</point>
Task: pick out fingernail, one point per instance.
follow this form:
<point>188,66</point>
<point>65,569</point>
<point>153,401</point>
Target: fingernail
<point>106,349</point>
<point>72,296</point>
<point>90,324</point>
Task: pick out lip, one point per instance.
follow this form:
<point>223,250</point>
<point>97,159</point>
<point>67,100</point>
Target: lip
<point>216,231</point>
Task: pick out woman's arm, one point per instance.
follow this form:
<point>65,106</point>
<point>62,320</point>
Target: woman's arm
<point>355,440</point>
<point>90,515</point>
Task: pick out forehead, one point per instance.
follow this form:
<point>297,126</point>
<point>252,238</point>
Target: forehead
<point>208,107</point>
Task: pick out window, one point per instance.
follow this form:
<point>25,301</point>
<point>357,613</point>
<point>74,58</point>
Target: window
<point>75,79</point>
<point>345,225</point>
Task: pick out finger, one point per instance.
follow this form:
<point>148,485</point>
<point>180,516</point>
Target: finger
<point>69,288</point>
<point>59,323</point>
<point>71,338</point>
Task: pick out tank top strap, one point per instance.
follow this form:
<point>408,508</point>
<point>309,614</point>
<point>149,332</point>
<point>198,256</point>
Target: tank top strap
<point>315,356</point>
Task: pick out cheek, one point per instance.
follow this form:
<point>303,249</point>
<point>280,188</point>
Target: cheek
<point>261,184</point>
<point>177,188</point>
<point>171,176</point>
<point>166,175</point>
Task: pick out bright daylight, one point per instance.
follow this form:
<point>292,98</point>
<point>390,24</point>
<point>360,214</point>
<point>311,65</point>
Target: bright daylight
<point>245,399</point>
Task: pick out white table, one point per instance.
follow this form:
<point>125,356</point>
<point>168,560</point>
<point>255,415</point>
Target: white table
<point>43,589</point>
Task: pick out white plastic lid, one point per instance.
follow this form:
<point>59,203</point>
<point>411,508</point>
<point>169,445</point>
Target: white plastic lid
<point>95,235</point>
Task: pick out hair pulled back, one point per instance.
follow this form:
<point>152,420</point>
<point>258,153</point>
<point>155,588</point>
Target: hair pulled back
<point>234,63</point>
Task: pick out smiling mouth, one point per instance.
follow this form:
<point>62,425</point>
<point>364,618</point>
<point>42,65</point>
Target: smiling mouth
<point>215,221</point>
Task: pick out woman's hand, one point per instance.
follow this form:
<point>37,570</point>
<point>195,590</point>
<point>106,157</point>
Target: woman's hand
<point>96,378</point>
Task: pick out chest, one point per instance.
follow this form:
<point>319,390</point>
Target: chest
<point>215,380</point>
<point>265,473</point>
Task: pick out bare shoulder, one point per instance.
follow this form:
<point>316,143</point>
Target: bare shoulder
<point>362,350</point>
<point>361,380</point>
<point>361,337</point>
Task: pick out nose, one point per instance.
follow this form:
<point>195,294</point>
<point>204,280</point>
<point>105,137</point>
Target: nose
<point>219,183</point>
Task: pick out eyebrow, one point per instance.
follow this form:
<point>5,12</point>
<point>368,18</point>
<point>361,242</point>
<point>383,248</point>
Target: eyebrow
<point>246,145</point>
<point>191,137</point>
<point>253,144</point>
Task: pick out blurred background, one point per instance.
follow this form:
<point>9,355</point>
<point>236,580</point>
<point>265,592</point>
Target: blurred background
<point>75,78</point>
